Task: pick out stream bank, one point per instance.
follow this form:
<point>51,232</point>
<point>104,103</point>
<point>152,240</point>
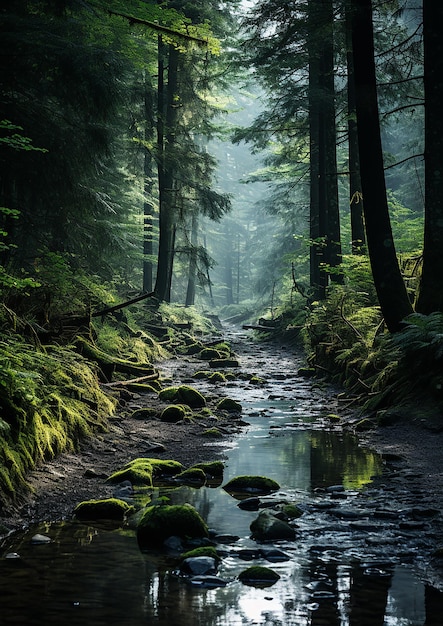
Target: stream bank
<point>409,489</point>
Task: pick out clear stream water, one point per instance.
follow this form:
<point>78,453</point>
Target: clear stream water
<point>346,566</point>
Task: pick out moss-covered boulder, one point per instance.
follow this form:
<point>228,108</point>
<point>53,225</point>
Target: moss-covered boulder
<point>190,396</point>
<point>173,413</point>
<point>258,576</point>
<point>217,377</point>
<point>229,405</point>
<point>109,509</point>
<point>138,472</point>
<point>193,476</point>
<point>144,471</point>
<point>212,469</point>
<point>201,551</point>
<point>168,394</point>
<point>146,413</point>
<point>207,354</point>
<point>183,394</point>
<point>267,527</point>
<point>162,521</point>
<point>251,484</point>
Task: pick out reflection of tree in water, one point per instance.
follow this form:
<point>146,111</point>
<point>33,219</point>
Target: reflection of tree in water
<point>368,597</point>
<point>337,459</point>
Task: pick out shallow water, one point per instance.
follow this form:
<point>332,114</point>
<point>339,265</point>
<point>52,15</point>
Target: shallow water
<point>346,566</point>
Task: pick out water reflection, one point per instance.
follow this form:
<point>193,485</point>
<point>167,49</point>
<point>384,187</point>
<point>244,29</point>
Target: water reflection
<point>98,576</point>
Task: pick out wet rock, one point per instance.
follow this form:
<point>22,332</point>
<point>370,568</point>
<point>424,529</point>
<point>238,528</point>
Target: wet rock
<point>249,504</point>
<point>108,509</point>
<point>194,477</point>
<point>172,414</point>
<point>251,484</point>
<point>226,538</point>
<point>199,566</point>
<point>229,405</point>
<point>249,554</point>
<point>267,527</point>
<point>208,582</point>
<point>274,555</point>
<point>162,521</point>
<point>38,540</point>
<point>258,576</point>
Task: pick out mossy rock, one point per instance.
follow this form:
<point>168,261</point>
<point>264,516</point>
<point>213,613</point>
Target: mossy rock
<point>307,372</point>
<point>192,476</point>
<point>230,376</point>
<point>224,348</point>
<point>258,576</point>
<point>217,377</point>
<point>193,348</point>
<point>164,467</point>
<point>138,472</point>
<point>162,521</point>
<point>268,527</point>
<point>251,484</point>
<point>202,551</point>
<point>191,397</point>
<point>291,511</point>
<point>201,374</point>
<point>256,380</point>
<point>145,414</point>
<point>109,509</point>
<point>221,363</point>
<point>230,405</point>
<point>212,433</point>
<point>211,468</point>
<point>207,354</point>
<point>168,394</point>
<point>173,413</point>
<point>184,394</point>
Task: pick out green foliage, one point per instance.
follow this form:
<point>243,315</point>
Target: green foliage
<point>49,400</point>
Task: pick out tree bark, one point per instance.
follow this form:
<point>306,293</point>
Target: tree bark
<point>391,290</point>
<point>358,238</point>
<point>167,118</point>
<point>431,286</point>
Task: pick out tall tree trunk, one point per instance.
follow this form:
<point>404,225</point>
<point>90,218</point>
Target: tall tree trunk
<point>431,287</point>
<point>192,271</point>
<point>148,206</point>
<point>358,239</point>
<point>391,290</point>
<point>329,175</point>
<point>318,278</point>
<point>167,116</point>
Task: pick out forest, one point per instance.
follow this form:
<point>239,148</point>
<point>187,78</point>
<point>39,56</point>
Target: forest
<point>165,163</point>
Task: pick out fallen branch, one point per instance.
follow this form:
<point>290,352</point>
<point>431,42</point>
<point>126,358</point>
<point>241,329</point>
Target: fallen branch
<point>122,305</point>
<point>140,379</point>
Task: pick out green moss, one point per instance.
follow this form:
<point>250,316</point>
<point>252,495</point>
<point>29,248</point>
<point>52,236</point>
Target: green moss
<point>140,474</point>
<point>109,509</point>
<point>211,468</point>
<point>251,484</point>
<point>173,413</point>
<point>202,551</point>
<point>217,377</point>
<point>207,354</point>
<point>141,388</point>
<point>162,521</point>
<point>165,467</point>
<point>256,380</point>
<point>230,405</point>
<point>169,394</point>
<point>333,418</point>
<point>201,374</point>
<point>258,576</point>
<point>192,476</point>
<point>307,372</point>
<point>291,511</point>
<point>191,397</point>
<point>146,413</point>
<point>212,433</point>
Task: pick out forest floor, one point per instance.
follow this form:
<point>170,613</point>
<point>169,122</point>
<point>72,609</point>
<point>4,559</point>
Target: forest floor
<point>412,449</point>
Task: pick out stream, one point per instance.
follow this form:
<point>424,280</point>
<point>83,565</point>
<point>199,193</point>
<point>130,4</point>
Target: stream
<point>353,561</point>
